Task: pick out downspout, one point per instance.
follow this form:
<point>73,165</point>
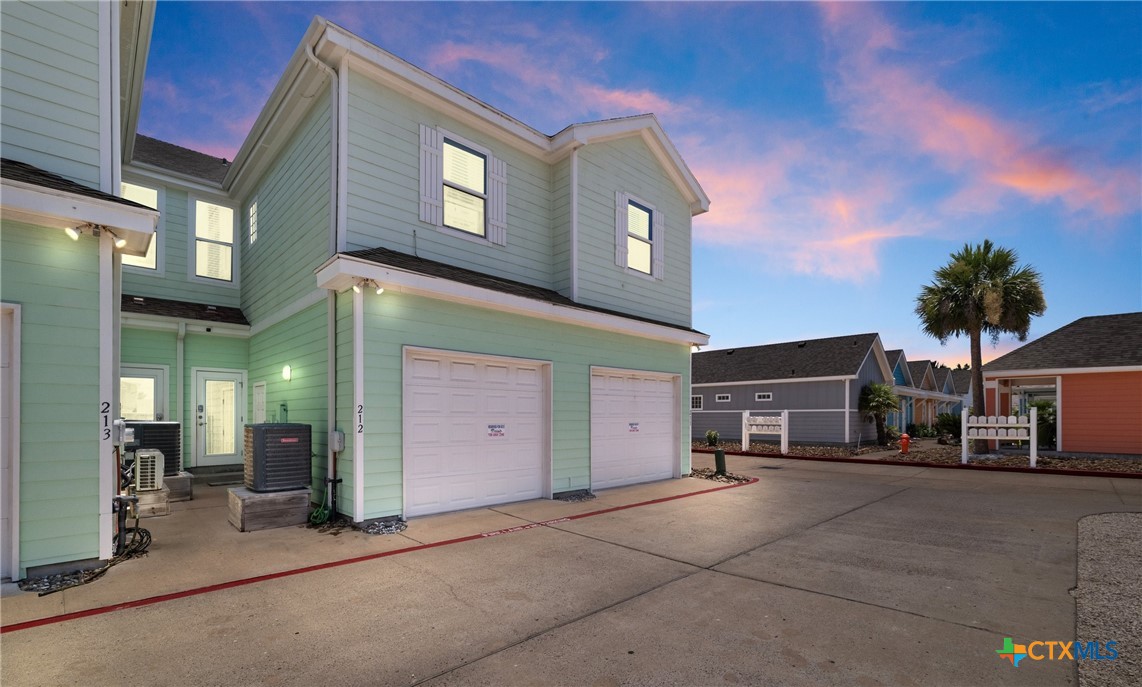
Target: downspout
<point>575,224</point>
<point>179,356</point>
<point>335,158</point>
<point>331,395</point>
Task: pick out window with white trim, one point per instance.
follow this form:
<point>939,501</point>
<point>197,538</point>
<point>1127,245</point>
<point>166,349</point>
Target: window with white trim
<point>722,398</point>
<point>253,213</point>
<point>463,187</point>
<point>143,195</point>
<point>639,241</point>
<point>763,396</point>
<point>695,403</point>
<point>213,241</point>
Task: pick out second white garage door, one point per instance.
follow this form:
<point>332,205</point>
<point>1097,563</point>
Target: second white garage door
<point>634,427</point>
<point>475,431</point>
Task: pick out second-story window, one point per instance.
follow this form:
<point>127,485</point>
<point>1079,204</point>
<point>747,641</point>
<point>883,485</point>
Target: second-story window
<point>253,221</point>
<point>149,197</point>
<point>213,241</point>
<point>465,188</point>
<point>639,236</point>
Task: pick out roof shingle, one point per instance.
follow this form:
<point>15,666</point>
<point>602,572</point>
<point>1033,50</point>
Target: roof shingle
<point>14,170</point>
<point>832,357</point>
<point>175,158</point>
<point>1097,341</point>
<point>183,310</point>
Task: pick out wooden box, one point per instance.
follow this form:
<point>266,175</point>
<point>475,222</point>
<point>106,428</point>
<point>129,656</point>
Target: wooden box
<point>154,503</point>
<point>251,510</point>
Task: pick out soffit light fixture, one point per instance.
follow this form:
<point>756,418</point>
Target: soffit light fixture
<point>368,283</point>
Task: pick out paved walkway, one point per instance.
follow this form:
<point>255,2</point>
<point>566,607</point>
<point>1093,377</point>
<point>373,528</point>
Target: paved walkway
<point>820,573</point>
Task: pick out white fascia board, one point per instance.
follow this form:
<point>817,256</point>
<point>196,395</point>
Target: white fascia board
<point>652,133</point>
<point>882,359</point>
<point>57,209</point>
<point>341,272</point>
<point>913,392</point>
<point>1056,371</point>
<point>835,378</point>
<point>137,20</point>
<point>171,324</point>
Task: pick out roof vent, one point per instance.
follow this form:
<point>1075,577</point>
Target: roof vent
<point>211,307</point>
<point>793,372</point>
<point>136,299</point>
<point>802,344</point>
<point>731,351</point>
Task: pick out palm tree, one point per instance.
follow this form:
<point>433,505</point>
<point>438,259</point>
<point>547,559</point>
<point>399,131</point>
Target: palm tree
<point>876,402</point>
<point>980,291</point>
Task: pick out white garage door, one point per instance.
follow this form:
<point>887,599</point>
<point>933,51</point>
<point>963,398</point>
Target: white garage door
<point>475,431</point>
<point>634,428</point>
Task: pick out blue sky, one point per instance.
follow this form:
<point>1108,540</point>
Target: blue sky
<point>847,148</point>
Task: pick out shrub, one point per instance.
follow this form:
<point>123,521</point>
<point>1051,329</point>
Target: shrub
<point>893,433</point>
<point>949,423</point>
<point>712,437</point>
<point>916,431</point>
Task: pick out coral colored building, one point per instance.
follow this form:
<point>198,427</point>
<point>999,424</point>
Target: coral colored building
<point>1091,369</point>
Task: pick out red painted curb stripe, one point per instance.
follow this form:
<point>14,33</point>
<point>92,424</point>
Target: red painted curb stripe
<point>27,625</point>
<point>949,466</point>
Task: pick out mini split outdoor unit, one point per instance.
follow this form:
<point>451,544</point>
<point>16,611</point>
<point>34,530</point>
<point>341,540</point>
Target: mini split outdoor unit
<point>277,457</point>
<point>148,470</point>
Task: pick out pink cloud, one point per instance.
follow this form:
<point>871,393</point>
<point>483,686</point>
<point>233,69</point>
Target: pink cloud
<point>888,98</point>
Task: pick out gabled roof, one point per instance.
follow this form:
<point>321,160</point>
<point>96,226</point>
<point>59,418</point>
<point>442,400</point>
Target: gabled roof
<point>961,379</point>
<point>943,377</point>
<point>1097,341</point>
<point>839,356</point>
<point>896,358</point>
<point>919,371</point>
<point>183,310</point>
<point>173,158</point>
<point>326,46</point>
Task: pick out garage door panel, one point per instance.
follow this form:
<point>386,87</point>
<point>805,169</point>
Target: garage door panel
<point>633,428</point>
<point>486,443</point>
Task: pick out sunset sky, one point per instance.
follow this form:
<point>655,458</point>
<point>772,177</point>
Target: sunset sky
<point>847,148</point>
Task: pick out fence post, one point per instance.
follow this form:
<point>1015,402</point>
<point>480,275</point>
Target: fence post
<point>745,431</point>
<point>784,432</point>
<point>964,436</point>
<point>1034,430</point>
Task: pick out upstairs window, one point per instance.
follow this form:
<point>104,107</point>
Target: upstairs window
<point>149,197</point>
<point>695,403</point>
<point>639,240</point>
<point>722,398</point>
<point>763,396</point>
<point>463,187</point>
<point>465,196</point>
<point>213,241</point>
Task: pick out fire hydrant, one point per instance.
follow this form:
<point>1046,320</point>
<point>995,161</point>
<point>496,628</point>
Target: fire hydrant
<point>904,441</point>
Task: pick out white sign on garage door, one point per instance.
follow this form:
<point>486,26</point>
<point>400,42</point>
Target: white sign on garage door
<point>475,431</point>
<point>634,427</point>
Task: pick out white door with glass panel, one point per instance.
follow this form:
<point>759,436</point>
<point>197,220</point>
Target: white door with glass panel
<point>219,412</point>
<point>143,392</point>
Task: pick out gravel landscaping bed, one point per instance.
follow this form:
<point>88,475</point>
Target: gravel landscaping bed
<point>1108,598</point>
<point>943,455</point>
<point>710,474</point>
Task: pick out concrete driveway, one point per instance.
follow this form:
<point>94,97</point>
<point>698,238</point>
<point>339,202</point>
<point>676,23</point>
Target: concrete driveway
<point>819,573</point>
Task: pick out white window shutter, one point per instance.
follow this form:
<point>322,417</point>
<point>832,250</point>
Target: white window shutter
<point>497,201</point>
<point>658,246</point>
<point>431,175</point>
<point>621,202</point>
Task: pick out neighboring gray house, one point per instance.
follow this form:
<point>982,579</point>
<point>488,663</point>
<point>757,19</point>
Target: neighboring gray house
<point>817,381</point>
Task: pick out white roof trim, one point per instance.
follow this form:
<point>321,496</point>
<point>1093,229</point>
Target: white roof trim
<point>1049,371</point>
<point>49,207</point>
<point>134,320</point>
<point>340,272</point>
<point>331,43</point>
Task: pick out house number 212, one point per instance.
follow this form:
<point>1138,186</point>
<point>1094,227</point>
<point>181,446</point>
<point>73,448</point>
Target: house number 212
<point>360,419</point>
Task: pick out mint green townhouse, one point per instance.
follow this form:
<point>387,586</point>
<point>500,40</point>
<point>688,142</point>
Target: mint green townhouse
<point>466,311</point>
<point>70,80</point>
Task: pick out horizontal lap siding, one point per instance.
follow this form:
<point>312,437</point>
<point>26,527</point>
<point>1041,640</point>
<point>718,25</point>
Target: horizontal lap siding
<point>293,220</point>
<point>175,282</point>
<point>1100,413</point>
<point>49,98</point>
<point>804,427</point>
<point>395,320</point>
<point>384,190</point>
<point>628,165</point>
<point>56,282</point>
<point>301,343</point>
<point>561,227</point>
<point>792,396</point>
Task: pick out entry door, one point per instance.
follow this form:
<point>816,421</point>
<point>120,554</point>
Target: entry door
<point>143,392</point>
<point>219,413</point>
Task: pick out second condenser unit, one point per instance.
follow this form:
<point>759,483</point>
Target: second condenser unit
<point>277,456</point>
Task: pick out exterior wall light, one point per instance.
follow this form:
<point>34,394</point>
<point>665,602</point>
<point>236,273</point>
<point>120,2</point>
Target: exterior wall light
<point>287,373</point>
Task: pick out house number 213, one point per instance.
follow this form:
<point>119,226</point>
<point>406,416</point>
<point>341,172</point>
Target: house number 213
<point>105,420</point>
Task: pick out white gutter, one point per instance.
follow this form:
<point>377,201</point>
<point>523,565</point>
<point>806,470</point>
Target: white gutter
<point>331,389</point>
<point>1056,371</point>
<point>837,378</point>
